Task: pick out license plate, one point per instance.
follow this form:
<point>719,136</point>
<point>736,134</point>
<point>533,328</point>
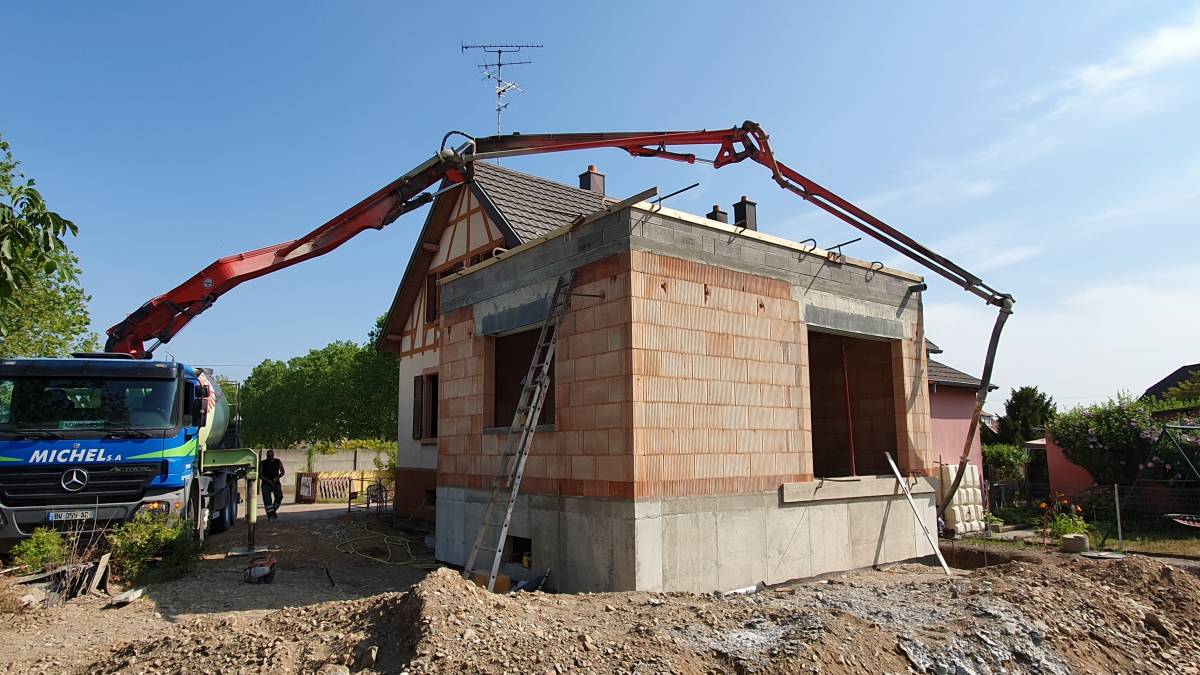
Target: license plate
<point>60,516</point>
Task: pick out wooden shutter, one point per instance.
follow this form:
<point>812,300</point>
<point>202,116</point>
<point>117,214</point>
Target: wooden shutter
<point>418,409</point>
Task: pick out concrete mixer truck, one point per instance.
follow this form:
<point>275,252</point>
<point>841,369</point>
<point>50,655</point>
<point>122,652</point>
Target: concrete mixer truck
<point>90,442</point>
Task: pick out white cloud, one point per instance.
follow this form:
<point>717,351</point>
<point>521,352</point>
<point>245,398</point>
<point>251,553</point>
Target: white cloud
<point>1091,96</point>
<point>1083,346</point>
<point>1166,47</point>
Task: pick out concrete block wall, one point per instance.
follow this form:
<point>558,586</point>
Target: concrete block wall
<point>910,384</point>
<point>588,451</point>
<point>682,407</point>
<point>719,397</point>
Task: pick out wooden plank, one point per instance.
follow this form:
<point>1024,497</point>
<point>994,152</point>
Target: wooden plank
<point>916,513</point>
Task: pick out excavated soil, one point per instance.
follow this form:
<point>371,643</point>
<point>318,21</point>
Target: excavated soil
<point>1057,615</point>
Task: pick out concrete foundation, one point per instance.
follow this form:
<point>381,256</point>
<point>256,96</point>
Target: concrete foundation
<point>702,544</point>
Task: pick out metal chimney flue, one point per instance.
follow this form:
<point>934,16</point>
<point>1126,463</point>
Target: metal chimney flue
<point>744,214</point>
<point>592,180</point>
<point>718,215</point>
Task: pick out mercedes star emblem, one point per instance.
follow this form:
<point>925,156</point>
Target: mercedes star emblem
<point>74,480</point>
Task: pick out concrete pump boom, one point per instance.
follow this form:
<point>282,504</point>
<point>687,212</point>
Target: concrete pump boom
<point>159,319</point>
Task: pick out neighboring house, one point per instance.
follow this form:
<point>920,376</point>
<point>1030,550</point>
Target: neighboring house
<point>952,396</point>
<point>697,435</point>
<point>1050,472</point>
<point>1158,389</point>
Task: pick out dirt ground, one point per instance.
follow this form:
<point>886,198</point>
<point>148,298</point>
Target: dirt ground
<point>1026,612</point>
<point>310,571</point>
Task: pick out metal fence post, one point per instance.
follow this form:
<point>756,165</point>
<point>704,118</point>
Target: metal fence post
<point>1120,535</point>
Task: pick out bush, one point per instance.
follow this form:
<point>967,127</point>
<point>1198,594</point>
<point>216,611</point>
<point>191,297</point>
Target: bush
<point>149,538</point>
<point>1065,523</point>
<point>44,550</point>
<point>1116,440</point>
<point>1005,463</point>
<point>1108,439</point>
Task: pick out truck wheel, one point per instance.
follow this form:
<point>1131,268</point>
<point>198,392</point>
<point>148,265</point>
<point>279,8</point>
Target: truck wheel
<point>228,515</point>
<point>195,511</point>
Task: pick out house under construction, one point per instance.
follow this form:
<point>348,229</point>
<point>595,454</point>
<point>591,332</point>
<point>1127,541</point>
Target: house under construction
<point>721,404</point>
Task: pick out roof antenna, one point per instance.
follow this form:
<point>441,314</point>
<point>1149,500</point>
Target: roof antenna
<point>495,71</point>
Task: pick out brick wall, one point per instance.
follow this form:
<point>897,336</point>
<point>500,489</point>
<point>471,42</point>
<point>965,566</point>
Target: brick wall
<point>684,379</point>
<point>910,385</point>
<point>718,365</point>
<point>589,451</point>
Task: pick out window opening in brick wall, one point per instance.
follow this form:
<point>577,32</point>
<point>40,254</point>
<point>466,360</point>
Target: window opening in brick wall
<point>514,353</point>
<point>425,406</point>
<point>853,405</point>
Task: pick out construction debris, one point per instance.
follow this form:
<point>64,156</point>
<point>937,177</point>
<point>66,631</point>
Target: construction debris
<point>1064,615</point>
<point>126,597</point>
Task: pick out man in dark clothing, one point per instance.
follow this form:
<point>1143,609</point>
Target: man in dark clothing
<point>270,472</point>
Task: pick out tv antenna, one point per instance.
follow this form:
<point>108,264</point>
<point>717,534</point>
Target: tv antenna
<point>495,71</point>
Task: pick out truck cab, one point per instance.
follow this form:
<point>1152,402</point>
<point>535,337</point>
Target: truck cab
<point>87,443</point>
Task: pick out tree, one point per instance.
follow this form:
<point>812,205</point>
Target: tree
<point>340,391</point>
<point>1026,409</point>
<point>1188,388</point>
<point>32,249</point>
<point>53,317</point>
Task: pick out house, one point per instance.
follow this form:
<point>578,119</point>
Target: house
<point>1176,378</point>
<point>1050,472</point>
<point>721,404</point>
<point>952,397</point>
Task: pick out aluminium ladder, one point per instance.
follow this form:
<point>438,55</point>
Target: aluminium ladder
<point>507,481</point>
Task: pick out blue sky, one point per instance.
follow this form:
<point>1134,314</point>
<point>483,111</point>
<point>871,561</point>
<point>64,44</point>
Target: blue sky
<point>1052,149</point>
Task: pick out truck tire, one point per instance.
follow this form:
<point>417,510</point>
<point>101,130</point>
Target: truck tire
<point>228,515</point>
<point>194,511</point>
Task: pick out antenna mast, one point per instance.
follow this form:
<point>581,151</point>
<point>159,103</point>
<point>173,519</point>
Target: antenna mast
<point>495,71</point>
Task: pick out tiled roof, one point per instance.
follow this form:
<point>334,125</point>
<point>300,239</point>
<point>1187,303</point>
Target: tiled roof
<point>1159,388</point>
<point>533,206</point>
<point>940,373</point>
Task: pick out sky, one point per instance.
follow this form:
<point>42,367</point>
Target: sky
<point>1051,148</point>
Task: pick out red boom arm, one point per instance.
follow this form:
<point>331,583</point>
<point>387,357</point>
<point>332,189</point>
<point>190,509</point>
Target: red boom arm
<point>162,317</point>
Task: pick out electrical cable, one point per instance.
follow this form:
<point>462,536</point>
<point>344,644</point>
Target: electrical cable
<point>399,541</point>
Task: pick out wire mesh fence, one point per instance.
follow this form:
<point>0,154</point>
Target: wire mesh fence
<point>1010,495</point>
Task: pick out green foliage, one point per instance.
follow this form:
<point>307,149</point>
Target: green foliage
<point>343,390</point>
<point>1161,406</point>
<point>1005,462</point>
<point>44,550</point>
<point>53,318</point>
<point>1025,409</point>
<point>1060,524</point>
<point>1108,439</point>
<point>1060,516</point>
<point>1189,388</point>
<point>992,519</point>
<point>1019,515</point>
<point>31,241</point>
<point>148,538</point>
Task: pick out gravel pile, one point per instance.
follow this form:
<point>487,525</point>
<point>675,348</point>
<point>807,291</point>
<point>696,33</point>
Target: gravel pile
<point>1067,616</point>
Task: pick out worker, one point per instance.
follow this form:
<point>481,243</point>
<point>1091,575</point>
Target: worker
<point>270,472</point>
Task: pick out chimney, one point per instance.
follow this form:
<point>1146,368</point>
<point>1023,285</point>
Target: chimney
<point>744,214</point>
<point>592,180</point>
<point>717,214</point>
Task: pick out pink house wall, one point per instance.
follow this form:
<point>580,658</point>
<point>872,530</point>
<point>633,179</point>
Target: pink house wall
<point>1065,476</point>
<point>950,410</point>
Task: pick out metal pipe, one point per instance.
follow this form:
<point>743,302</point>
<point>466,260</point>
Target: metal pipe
<point>980,397</point>
<point>252,507</point>
<point>849,416</point>
<point>1120,535</point>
